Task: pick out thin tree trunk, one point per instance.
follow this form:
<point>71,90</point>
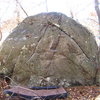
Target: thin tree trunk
<point>46,5</point>
<point>97,74</point>
<point>97,11</point>
<point>0,35</point>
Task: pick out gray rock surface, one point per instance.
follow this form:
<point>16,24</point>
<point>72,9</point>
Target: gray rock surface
<point>49,49</point>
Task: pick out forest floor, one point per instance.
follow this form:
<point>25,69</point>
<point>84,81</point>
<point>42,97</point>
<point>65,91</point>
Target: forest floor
<point>74,93</point>
<point>83,92</point>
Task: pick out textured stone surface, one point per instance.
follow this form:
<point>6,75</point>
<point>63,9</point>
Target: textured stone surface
<point>49,49</point>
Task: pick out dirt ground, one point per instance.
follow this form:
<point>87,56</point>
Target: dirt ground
<point>74,93</point>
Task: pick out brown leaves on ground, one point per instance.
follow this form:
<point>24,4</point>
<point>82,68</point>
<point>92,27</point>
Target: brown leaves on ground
<point>3,86</point>
<point>74,93</point>
<point>83,92</point>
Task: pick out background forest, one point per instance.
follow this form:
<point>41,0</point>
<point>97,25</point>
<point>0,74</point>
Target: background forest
<point>85,12</point>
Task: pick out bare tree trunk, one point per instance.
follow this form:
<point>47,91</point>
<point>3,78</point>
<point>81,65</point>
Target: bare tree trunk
<point>97,11</point>
<point>98,63</point>
<point>18,14</point>
<point>71,14</point>
<point>46,5</point>
<point>0,35</point>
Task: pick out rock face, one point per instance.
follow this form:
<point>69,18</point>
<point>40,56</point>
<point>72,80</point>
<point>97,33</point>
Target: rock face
<point>49,49</point>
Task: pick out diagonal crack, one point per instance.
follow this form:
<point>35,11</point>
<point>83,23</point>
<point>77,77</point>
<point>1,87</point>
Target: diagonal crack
<point>50,23</point>
<point>38,43</point>
<point>54,48</point>
<point>53,24</point>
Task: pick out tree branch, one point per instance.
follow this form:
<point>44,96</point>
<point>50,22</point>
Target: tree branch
<point>22,8</point>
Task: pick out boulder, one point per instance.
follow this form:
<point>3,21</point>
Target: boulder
<point>49,49</point>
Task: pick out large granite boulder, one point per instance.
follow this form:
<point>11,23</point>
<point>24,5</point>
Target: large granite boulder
<point>49,49</point>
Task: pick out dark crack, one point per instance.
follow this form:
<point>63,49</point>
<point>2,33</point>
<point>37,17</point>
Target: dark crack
<point>50,23</point>
<point>54,46</point>
<point>82,69</point>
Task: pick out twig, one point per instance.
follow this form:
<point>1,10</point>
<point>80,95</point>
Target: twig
<point>22,8</point>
